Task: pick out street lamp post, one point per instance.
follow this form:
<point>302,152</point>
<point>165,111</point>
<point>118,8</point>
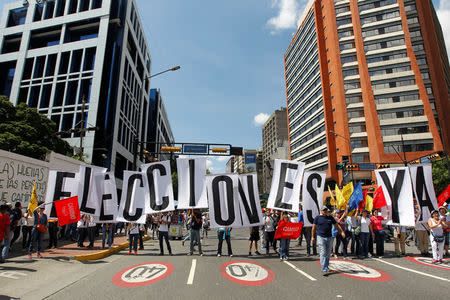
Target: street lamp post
<point>136,137</point>
<point>349,147</point>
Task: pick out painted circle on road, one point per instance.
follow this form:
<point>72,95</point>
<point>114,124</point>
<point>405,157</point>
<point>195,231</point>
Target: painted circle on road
<point>428,261</point>
<point>357,271</point>
<point>247,273</point>
<point>142,274</point>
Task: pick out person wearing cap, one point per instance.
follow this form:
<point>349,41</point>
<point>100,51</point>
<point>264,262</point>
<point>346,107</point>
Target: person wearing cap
<point>36,235</point>
<point>443,215</point>
<point>366,230</point>
<point>322,225</point>
<point>437,226</point>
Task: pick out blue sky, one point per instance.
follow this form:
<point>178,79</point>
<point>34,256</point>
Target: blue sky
<point>231,58</point>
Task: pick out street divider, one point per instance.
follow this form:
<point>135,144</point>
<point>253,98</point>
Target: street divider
<point>105,253</point>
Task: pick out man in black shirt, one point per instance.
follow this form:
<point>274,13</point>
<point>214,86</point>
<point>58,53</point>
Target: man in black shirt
<point>323,225</point>
<point>196,225</point>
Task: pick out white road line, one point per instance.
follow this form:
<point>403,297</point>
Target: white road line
<point>411,270</point>
<point>300,271</point>
<point>192,272</point>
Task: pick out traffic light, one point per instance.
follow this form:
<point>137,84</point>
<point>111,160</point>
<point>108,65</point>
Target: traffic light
<point>219,150</point>
<point>171,149</point>
<point>236,151</point>
<point>352,166</point>
<point>339,167</point>
<point>382,166</point>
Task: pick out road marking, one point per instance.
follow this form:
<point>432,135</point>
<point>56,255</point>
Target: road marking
<point>142,274</point>
<point>12,274</point>
<point>247,273</point>
<point>192,272</point>
<point>427,261</point>
<point>411,270</point>
<point>300,271</point>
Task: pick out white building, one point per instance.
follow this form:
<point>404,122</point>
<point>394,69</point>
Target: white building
<point>58,51</point>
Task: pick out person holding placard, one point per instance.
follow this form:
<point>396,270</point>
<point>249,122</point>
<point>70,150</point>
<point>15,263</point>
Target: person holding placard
<point>163,233</point>
<point>133,237</point>
<point>196,225</point>
<point>380,234</point>
<point>284,243</point>
<point>437,226</point>
<point>253,239</point>
<point>39,228</point>
<point>269,231</point>
<point>323,225</point>
<point>365,228</point>
<point>224,233</point>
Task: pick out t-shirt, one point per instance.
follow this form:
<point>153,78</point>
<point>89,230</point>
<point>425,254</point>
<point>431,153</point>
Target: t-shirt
<point>4,223</point>
<point>324,225</point>
<point>196,225</point>
<point>376,222</point>
<point>269,224</point>
<point>365,223</point>
<point>165,227</point>
<point>134,228</point>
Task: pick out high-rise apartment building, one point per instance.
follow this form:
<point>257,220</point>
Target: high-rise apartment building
<point>364,80</point>
<point>56,53</point>
<point>274,140</point>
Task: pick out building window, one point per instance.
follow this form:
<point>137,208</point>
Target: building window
<point>64,63</point>
<point>49,36</point>
<point>61,6</point>
<point>11,43</point>
<point>73,5</point>
<point>71,92</point>
<point>39,8</point>
<point>7,77</point>
<point>84,5</point>
<point>49,9</point>
<point>59,94</point>
<point>45,97</point>
<point>17,16</point>
<point>51,65</point>
<point>83,30</point>
<point>39,67</point>
<point>96,4</point>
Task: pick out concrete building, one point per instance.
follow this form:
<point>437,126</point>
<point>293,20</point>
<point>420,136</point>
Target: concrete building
<point>56,53</point>
<point>159,129</point>
<point>229,167</point>
<point>374,72</point>
<point>274,141</point>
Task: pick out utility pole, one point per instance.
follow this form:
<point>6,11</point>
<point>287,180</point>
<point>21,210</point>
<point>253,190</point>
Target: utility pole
<point>403,149</point>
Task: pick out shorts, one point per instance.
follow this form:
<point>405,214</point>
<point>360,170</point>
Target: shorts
<point>254,236</point>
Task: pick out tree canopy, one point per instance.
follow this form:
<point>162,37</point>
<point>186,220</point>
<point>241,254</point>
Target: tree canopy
<point>441,176</point>
<point>25,131</point>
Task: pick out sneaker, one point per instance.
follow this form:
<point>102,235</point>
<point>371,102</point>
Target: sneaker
<point>182,243</point>
<point>286,258</point>
<point>441,260</point>
<point>29,256</point>
<point>257,253</point>
<point>190,253</point>
<point>201,254</point>
<point>39,255</point>
<point>129,252</point>
<point>231,255</point>
<point>249,254</point>
<point>281,259</point>
<point>170,253</point>
<point>434,261</point>
<point>135,252</point>
<point>219,255</point>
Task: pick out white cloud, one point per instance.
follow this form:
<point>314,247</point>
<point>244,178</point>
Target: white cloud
<point>222,158</point>
<point>288,13</point>
<point>260,119</point>
<point>443,13</point>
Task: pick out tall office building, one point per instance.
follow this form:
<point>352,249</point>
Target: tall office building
<point>274,140</point>
<point>376,73</point>
<point>159,129</point>
<point>56,53</point>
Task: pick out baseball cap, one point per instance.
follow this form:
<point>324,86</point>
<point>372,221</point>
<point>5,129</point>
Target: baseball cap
<point>325,208</point>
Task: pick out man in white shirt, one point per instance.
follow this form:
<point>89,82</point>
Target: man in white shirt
<point>164,222</point>
<point>91,230</point>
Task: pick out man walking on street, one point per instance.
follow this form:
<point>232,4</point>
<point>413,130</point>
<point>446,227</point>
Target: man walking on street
<point>164,222</point>
<point>323,225</point>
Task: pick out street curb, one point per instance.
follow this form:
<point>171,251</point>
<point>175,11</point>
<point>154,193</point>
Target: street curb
<point>105,253</point>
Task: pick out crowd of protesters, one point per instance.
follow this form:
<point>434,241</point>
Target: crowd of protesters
<point>333,232</point>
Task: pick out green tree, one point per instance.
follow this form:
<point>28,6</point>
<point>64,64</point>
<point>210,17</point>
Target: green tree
<point>441,177</point>
<point>25,131</point>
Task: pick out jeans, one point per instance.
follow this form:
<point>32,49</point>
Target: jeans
<point>379,239</point>
<point>52,234</point>
<point>36,239</point>
<point>195,236</point>
<point>325,245</point>
<point>204,232</point>
<point>26,236</point>
<point>134,241</point>
<point>284,248</point>
<point>344,241</point>
<point>141,240</point>
<point>220,236</point>
<point>364,244</point>
<point>91,236</point>
<point>81,236</point>
<point>354,247</point>
<point>16,235</point>
<point>164,235</point>
<point>107,235</point>
<point>71,231</point>
<point>7,244</point>
<point>307,232</point>
<point>269,235</point>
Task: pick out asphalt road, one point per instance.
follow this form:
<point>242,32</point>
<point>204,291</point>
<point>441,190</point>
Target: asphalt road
<point>238,277</point>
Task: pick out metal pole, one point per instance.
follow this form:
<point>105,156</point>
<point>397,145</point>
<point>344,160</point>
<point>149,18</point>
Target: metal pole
<point>82,131</point>
<point>404,153</point>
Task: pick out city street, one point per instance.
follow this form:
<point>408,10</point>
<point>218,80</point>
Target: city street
<point>239,277</point>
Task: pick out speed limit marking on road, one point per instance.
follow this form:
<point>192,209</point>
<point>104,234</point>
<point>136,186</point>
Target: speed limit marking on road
<point>247,273</point>
<point>427,261</point>
<point>142,274</point>
<point>357,271</point>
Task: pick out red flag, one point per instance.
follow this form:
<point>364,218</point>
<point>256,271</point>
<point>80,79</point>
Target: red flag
<point>67,211</point>
<point>362,204</point>
<point>378,198</point>
<point>288,230</point>
<point>444,196</point>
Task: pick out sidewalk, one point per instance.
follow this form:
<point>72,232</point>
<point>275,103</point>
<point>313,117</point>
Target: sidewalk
<point>70,250</point>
